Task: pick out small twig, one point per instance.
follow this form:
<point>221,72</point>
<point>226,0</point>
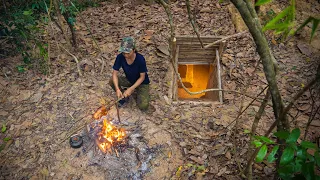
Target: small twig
<point>75,58</point>
<point>293,117</point>
<point>71,116</point>
<point>311,118</point>
<point>118,114</point>
<point>225,38</point>
<point>255,123</point>
<point>103,64</point>
<point>245,90</point>
<point>191,19</point>
<point>248,106</point>
<point>240,110</point>
<point>300,93</point>
<point>117,154</point>
<point>76,130</point>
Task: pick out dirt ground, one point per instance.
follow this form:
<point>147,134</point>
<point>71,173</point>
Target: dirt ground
<point>40,111</point>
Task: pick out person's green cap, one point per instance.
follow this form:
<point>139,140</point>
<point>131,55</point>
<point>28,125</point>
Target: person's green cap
<point>127,44</point>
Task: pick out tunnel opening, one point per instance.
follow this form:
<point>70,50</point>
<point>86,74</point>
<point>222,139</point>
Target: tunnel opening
<point>197,77</point>
<point>198,67</point>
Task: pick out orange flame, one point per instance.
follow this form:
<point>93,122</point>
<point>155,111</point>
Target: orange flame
<point>109,136</point>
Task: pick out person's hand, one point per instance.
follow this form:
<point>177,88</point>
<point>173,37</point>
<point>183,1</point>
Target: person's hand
<point>128,92</point>
<point>119,94</point>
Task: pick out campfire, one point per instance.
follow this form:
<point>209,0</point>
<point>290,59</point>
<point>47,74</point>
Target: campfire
<point>117,147</point>
<point>107,136</point>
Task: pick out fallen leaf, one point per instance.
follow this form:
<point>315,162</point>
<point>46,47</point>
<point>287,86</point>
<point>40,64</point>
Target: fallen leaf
<point>304,49</point>
<point>178,173</point>
<point>36,97</point>
<point>161,55</point>
<point>315,123</point>
<point>3,82</point>
<point>44,172</point>
<point>26,124</point>
<point>205,10</point>
<point>197,160</point>
<point>8,144</point>
<point>304,107</point>
<point>222,171</point>
<point>274,41</point>
<point>228,155</point>
<point>3,113</point>
<point>148,32</point>
<point>219,150</point>
<point>24,95</point>
<point>256,166</point>
<point>147,38</point>
<point>224,120</point>
<point>164,49</point>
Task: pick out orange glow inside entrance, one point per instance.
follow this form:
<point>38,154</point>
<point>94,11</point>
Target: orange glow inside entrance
<point>197,78</point>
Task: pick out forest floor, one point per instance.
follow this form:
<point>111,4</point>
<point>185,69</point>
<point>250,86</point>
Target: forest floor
<point>196,140</point>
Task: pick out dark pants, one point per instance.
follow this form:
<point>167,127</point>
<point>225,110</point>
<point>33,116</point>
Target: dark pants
<point>143,96</point>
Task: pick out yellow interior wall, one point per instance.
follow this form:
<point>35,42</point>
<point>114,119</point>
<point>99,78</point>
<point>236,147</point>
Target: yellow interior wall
<point>197,76</point>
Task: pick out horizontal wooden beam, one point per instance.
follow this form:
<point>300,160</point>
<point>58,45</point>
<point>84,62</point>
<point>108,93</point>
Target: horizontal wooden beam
<point>188,37</point>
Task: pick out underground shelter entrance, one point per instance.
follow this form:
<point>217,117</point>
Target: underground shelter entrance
<point>199,69</point>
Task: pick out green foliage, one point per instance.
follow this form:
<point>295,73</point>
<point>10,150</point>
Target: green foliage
<point>273,152</point>
<point>257,143</point>
<point>7,139</point>
<point>262,153</point>
<point>293,137</point>
<point>262,2</point>
<point>282,134</point>
<point>246,131</point>
<point>308,145</point>
<point>295,161</point>
<point>24,25</point>
<point>264,139</point>
<point>287,156</point>
<point>283,22</point>
<point>315,23</point>
<point>4,128</point>
<point>24,22</point>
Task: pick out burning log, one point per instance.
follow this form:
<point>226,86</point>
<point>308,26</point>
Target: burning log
<point>107,136</point>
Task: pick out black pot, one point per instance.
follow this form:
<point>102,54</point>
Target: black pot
<point>76,141</point>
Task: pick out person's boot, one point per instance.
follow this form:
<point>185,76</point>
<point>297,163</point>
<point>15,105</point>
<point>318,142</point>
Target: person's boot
<point>123,101</point>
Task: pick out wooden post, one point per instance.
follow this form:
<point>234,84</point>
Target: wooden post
<point>175,87</point>
<point>221,47</point>
<point>219,75</point>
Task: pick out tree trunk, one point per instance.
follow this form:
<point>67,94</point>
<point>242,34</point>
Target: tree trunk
<point>60,23</point>
<point>73,34</point>
<point>251,19</point>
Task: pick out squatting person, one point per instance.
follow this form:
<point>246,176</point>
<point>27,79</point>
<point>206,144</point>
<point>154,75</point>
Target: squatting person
<point>136,76</point>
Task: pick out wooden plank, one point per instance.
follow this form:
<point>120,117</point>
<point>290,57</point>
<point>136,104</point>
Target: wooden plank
<point>196,54</point>
<point>197,44</point>
<point>212,83</point>
<point>196,50</point>
<point>219,76</point>
<point>195,58</point>
<point>195,63</point>
<point>195,38</point>
<point>175,87</point>
<point>172,84</point>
